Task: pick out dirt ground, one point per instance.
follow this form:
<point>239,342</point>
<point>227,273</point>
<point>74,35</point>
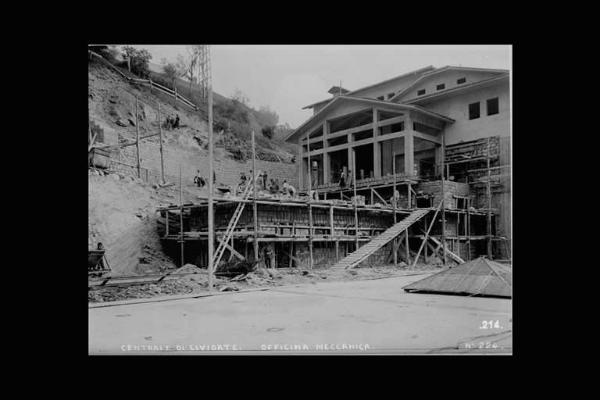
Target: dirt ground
<point>198,283</point>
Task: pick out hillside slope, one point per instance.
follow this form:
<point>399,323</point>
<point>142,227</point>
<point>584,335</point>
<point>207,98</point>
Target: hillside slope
<point>121,207</point>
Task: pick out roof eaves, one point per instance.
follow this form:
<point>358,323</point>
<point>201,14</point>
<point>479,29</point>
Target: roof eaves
<point>369,100</point>
<point>446,68</point>
<point>456,89</point>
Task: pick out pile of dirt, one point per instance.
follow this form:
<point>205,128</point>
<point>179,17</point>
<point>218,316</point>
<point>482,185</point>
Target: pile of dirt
<point>259,278</point>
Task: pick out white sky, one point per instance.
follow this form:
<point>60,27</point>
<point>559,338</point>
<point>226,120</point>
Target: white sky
<point>289,77</point>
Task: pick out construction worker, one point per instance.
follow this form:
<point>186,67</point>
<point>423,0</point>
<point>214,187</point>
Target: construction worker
<point>349,180</point>
<point>274,188</point>
<point>242,184</point>
<point>342,178</point>
<point>101,264</point>
<point>395,199</point>
<point>176,123</point>
<point>198,180</point>
<point>288,189</point>
<point>268,253</point>
<point>264,176</point>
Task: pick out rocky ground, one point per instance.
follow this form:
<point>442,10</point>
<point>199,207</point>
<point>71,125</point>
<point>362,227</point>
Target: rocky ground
<point>198,283</point>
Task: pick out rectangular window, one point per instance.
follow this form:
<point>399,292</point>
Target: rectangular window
<point>492,106</point>
<point>461,80</point>
<point>441,86</point>
<point>421,92</point>
<point>474,110</point>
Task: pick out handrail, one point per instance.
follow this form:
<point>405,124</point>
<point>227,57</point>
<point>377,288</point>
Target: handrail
<point>160,87</point>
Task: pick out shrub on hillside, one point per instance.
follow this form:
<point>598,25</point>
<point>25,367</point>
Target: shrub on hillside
<point>140,59</point>
<point>268,131</point>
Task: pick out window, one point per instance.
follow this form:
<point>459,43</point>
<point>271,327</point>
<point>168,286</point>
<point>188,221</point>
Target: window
<point>390,95</point>
<point>380,98</point>
<point>474,110</point>
<point>461,80</point>
<point>421,92</point>
<point>441,86</point>
<point>492,106</point>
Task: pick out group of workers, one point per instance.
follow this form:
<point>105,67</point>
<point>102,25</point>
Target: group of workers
<point>264,184</point>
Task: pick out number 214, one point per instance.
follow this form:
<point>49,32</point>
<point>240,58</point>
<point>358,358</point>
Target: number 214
<point>491,324</point>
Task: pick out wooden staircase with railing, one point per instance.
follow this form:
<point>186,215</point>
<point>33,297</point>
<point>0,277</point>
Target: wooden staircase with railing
<point>378,242</point>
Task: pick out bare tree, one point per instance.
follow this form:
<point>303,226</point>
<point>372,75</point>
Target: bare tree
<point>186,64</point>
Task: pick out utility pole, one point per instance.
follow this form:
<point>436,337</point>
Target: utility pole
<point>355,200</point>
<point>443,197</point>
<point>162,161</point>
<point>489,203</point>
<point>394,245</point>
<point>211,227</point>
<point>310,243</point>
<point>254,206</point>
<point>181,216</point>
<point>137,139</point>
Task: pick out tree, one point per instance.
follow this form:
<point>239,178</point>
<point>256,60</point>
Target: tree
<point>187,64</point>
<point>140,59</point>
<point>171,72</point>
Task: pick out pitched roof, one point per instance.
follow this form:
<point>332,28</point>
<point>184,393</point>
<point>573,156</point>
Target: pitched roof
<point>443,69</point>
<point>478,277</point>
<point>417,71</point>
<point>366,100</point>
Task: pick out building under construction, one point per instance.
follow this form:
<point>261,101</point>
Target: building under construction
<point>424,163</point>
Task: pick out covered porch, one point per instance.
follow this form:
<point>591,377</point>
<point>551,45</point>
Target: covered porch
<point>379,138</point>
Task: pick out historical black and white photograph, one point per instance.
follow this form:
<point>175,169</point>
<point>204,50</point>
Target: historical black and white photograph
<point>299,199</point>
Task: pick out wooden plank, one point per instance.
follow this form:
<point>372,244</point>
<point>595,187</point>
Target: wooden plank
<point>231,249</point>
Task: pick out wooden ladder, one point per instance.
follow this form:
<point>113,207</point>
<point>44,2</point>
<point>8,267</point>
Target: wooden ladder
<point>233,223</point>
<point>378,242</point>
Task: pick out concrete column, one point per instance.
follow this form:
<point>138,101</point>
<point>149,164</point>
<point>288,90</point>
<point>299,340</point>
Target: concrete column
<point>409,147</point>
<point>376,147</point>
<point>326,166</point>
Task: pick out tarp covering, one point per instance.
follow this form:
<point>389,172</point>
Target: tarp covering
<point>478,277</point>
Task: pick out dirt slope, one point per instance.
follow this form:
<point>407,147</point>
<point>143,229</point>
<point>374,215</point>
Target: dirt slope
<point>121,208</point>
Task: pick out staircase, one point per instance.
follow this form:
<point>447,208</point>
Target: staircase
<point>356,257</point>
<point>233,222</point>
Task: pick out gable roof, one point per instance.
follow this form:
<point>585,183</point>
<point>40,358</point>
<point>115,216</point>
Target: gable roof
<point>417,71</point>
<point>338,99</point>
<point>443,69</point>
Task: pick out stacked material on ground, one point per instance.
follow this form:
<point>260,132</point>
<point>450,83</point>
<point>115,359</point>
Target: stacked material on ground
<point>481,277</point>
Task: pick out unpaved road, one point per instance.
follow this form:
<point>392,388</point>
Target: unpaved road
<point>359,317</point>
